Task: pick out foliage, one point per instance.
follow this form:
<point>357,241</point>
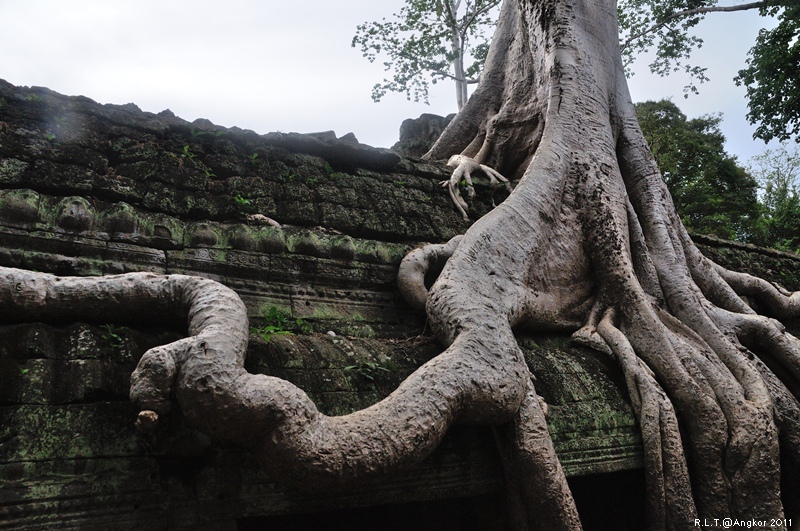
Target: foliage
<point>711,191</point>
<point>278,322</point>
<point>244,204</point>
<point>369,369</point>
<point>778,172</point>
<point>427,42</point>
<point>419,41</point>
<point>111,335</point>
<point>376,374</point>
<point>772,77</point>
<point>647,23</point>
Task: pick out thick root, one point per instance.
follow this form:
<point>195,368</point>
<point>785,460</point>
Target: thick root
<point>775,300</point>
<point>538,492</point>
<point>418,266</point>
<point>478,379</point>
<point>669,494</point>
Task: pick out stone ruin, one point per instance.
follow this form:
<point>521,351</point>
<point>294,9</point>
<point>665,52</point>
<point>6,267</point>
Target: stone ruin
<point>309,230</point>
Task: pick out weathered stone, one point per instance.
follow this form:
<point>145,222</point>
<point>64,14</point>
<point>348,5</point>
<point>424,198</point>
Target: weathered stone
<point>242,238</point>
<point>202,235</point>
<point>75,214</point>
<point>417,135</point>
<point>11,170</point>
<point>19,208</point>
<point>122,218</point>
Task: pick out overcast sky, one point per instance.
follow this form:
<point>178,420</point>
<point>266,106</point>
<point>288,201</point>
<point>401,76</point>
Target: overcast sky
<point>278,65</point>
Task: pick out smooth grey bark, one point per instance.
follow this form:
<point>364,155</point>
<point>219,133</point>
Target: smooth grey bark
<point>457,45</point>
<point>459,34</point>
<point>587,243</point>
<point>603,252</point>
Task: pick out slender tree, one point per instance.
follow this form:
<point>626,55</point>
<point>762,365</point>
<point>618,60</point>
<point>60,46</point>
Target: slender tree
<point>588,243</point>
<point>429,41</point>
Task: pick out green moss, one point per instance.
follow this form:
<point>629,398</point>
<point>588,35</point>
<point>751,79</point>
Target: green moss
<point>355,327</point>
<point>308,243</point>
<point>271,240</point>
<point>64,432</point>
<point>326,312</point>
<point>380,252</point>
<point>19,208</point>
<point>11,170</point>
<point>121,218</point>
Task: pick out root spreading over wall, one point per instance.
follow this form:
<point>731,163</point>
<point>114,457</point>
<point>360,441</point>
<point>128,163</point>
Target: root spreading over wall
<point>587,243</point>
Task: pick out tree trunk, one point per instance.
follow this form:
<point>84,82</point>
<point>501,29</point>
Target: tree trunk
<point>457,46</point>
<point>604,253</point>
<point>458,70</point>
<point>587,243</point>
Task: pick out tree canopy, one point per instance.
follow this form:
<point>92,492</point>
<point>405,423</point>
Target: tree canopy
<point>427,42</point>
<point>772,77</point>
<point>432,40</point>
<point>711,191</point>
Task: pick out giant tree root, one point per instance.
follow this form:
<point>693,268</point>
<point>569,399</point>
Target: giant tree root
<point>587,243</point>
<point>480,378</point>
<point>714,385</point>
<point>204,373</point>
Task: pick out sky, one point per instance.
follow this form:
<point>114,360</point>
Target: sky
<point>278,65</point>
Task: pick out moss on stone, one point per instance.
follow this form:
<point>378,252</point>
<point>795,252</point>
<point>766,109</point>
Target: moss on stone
<point>19,208</point>
<point>12,170</point>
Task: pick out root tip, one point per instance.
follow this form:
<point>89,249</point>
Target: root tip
<point>147,421</point>
<point>588,337</point>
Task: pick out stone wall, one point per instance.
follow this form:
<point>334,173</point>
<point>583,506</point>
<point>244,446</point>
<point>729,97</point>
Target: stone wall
<point>309,230</point>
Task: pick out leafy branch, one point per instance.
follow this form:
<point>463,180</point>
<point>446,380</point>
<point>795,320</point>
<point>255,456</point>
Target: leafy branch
<point>667,26</point>
<point>678,15</point>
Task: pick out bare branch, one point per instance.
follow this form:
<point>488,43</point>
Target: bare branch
<point>477,13</point>
<point>468,81</point>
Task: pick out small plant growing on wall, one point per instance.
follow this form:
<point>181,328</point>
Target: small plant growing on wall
<point>191,156</point>
<point>244,204</point>
<point>278,322</point>
<point>369,370</point>
<point>111,336</point>
<point>377,375</point>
